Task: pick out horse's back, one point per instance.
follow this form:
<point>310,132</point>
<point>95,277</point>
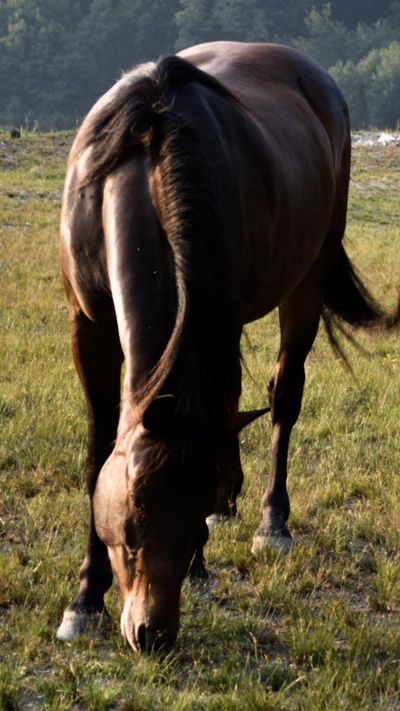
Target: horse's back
<point>245,66</point>
<point>288,150</point>
<point>276,83</point>
<point>278,148</point>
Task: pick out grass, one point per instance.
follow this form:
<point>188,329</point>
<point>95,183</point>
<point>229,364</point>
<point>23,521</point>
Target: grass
<point>317,630</point>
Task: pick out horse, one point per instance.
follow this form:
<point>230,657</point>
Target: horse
<point>202,192</point>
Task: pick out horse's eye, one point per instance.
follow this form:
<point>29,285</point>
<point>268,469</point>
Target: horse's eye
<point>137,501</point>
<point>139,509</point>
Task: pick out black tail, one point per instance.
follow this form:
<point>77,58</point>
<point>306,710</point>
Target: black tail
<point>346,300</point>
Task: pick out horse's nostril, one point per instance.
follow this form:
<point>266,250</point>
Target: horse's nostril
<point>141,637</point>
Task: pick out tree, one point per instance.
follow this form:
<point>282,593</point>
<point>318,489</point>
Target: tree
<point>371,87</point>
<point>194,23</point>
<point>347,76</point>
<point>36,32</point>
<point>352,13</point>
<point>328,41</point>
<point>285,20</point>
<point>58,56</point>
<point>243,20</point>
<point>368,37</point>
<point>152,28</point>
<point>380,71</point>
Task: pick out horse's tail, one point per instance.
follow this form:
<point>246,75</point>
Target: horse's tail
<point>346,300</point>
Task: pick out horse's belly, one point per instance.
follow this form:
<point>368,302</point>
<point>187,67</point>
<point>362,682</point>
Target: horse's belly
<point>275,258</point>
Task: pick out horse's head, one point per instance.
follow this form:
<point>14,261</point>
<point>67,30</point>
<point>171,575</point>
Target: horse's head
<point>150,508</point>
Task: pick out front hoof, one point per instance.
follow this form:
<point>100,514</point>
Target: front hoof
<point>215,520</point>
<point>218,519</point>
<point>262,542</point>
<point>78,623</point>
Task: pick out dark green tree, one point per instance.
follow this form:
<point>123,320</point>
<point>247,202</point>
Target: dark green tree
<point>380,73</point>
<point>326,40</point>
<point>58,56</point>
<point>36,33</point>
<point>195,23</point>
<point>242,20</point>
<point>353,12</point>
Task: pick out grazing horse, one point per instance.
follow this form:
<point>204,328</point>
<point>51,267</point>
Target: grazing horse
<point>202,192</point>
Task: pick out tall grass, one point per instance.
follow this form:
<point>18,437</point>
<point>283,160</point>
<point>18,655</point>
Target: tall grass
<point>319,629</point>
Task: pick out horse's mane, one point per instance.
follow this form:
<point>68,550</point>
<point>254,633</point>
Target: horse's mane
<point>201,362</point>
<point>136,111</point>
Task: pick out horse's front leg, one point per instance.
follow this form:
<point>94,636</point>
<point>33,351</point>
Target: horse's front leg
<point>98,359</point>
<point>299,321</point>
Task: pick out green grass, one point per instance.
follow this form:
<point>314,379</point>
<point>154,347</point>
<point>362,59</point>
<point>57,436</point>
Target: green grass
<point>317,630</point>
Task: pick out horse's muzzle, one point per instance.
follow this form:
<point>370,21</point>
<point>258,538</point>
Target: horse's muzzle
<point>148,633</point>
<point>149,640</point>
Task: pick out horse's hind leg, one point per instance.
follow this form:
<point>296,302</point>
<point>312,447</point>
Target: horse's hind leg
<point>299,319</point>
<point>231,477</point>
<point>98,359</point>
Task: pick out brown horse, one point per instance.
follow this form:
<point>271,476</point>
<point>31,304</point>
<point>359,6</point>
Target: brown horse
<point>202,192</point>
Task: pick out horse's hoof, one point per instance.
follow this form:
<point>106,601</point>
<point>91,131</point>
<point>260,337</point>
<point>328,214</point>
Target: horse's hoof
<point>280,544</point>
<point>77,623</point>
<point>216,520</point>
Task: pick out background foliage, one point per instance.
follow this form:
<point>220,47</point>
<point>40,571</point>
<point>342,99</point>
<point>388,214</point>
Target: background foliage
<point>58,56</point>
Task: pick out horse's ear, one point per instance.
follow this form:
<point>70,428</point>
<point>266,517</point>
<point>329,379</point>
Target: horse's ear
<point>236,421</point>
<point>157,416</point>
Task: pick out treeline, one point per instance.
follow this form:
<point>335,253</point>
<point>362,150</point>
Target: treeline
<point>58,56</point>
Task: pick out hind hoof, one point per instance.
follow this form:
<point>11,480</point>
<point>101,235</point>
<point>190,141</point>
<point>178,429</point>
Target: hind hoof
<point>78,623</point>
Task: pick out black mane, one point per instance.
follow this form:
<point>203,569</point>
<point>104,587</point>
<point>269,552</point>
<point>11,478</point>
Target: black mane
<point>138,108</point>
<point>201,364</point>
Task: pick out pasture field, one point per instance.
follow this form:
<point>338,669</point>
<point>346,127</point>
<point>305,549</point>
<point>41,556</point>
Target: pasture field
<point>318,629</point>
